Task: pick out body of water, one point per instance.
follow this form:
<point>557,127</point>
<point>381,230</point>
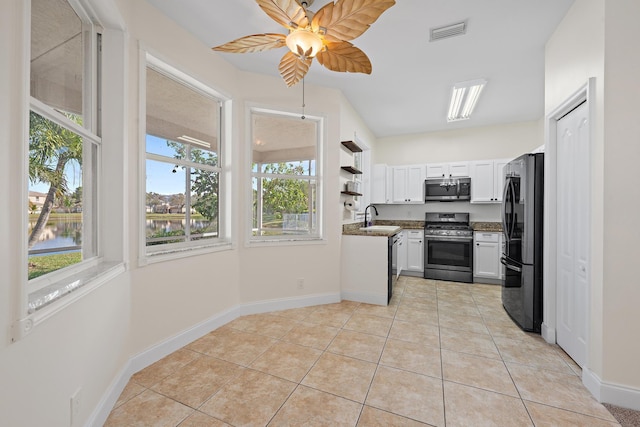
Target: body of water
<point>65,236</point>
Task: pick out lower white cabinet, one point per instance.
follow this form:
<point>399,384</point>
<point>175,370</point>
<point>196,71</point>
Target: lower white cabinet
<point>402,252</point>
<point>487,248</point>
<point>415,251</point>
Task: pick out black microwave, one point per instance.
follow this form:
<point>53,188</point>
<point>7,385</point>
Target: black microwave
<point>447,189</point>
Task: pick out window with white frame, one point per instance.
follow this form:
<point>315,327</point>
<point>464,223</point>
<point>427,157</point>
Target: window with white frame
<point>64,146</point>
<point>183,161</point>
<point>285,176</point>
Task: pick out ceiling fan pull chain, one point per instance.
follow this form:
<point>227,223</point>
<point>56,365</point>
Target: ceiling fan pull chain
<point>303,105</point>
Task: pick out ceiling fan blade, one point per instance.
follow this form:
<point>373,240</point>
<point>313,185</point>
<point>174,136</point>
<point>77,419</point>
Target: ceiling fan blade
<point>347,19</point>
<point>344,57</point>
<point>285,12</point>
<point>254,43</point>
<point>293,69</point>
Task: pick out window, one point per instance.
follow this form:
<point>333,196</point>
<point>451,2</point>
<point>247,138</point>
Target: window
<point>285,176</point>
<point>183,163</point>
<point>64,146</point>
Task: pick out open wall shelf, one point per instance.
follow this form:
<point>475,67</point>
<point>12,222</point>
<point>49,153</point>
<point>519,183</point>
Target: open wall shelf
<point>351,169</point>
<point>352,146</point>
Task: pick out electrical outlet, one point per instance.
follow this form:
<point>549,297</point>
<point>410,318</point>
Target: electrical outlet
<point>300,283</point>
<point>75,401</point>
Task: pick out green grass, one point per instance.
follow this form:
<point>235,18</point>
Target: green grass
<point>41,265</point>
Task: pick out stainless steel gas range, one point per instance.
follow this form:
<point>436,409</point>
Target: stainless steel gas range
<point>448,247</point>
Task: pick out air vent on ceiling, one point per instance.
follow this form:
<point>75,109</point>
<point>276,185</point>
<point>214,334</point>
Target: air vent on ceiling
<point>457,29</point>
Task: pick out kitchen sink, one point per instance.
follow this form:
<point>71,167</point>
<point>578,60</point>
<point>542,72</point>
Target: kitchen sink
<point>380,228</point>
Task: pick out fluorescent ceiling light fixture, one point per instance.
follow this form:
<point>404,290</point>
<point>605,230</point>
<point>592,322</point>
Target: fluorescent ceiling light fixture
<point>464,97</point>
<point>194,141</point>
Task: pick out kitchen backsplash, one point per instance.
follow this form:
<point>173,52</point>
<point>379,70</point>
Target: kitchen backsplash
<point>477,212</point>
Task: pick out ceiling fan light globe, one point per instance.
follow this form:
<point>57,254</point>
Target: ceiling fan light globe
<point>304,40</point>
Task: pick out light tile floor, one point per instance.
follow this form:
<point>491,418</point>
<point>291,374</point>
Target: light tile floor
<point>441,354</point>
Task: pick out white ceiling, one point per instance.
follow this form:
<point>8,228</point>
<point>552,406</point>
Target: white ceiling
<point>408,91</point>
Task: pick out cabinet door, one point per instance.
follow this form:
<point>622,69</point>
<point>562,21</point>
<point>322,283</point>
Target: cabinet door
<point>459,169</point>
<point>379,184</point>
<point>399,186</point>
<point>486,255</point>
<point>415,184</point>
<point>482,186</point>
<point>402,252</point>
<point>437,170</point>
<point>415,249</point>
<point>498,179</point>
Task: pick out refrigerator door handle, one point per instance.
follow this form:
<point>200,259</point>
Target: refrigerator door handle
<point>504,212</point>
<point>504,262</point>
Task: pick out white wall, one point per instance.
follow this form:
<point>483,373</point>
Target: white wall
<point>83,346</point>
<point>621,206</point>
<point>598,38</point>
<point>170,297</point>
<point>271,272</point>
<point>573,54</point>
<point>480,143</point>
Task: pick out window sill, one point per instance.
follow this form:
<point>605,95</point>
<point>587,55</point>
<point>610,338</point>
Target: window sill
<point>53,298</point>
<point>286,242</point>
<point>177,253</point>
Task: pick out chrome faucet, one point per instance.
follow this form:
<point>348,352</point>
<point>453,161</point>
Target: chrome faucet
<point>365,214</point>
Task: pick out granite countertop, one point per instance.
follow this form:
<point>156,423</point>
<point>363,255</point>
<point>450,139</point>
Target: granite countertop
<point>405,224</point>
<point>487,226</point>
<point>354,230</point>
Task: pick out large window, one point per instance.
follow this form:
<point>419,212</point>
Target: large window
<point>286,179</point>
<point>64,148</point>
<point>183,163</point>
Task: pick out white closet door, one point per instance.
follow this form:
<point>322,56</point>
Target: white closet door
<point>572,279</point>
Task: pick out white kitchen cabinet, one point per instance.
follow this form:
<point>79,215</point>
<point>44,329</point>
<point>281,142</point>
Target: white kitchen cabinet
<point>408,184</point>
<point>487,180</point>
<point>415,251</point>
<point>448,170</point>
<point>380,185</point>
<point>402,252</point>
<point>487,250</point>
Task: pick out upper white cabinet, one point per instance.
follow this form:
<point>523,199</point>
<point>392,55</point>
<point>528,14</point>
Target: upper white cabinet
<point>487,180</point>
<point>380,184</point>
<point>407,184</point>
<point>447,170</point>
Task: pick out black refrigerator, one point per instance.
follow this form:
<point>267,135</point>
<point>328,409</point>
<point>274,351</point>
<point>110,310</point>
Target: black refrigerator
<point>522,222</point>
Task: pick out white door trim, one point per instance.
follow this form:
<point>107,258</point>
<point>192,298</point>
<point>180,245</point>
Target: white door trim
<point>585,94</point>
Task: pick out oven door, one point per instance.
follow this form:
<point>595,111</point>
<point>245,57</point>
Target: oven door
<point>448,253</point>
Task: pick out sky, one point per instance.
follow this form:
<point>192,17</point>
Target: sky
<point>160,178</point>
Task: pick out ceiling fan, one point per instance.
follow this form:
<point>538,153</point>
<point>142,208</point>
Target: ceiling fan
<point>324,35</point>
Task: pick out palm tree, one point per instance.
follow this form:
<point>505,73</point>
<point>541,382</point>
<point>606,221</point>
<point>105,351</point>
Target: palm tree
<point>51,148</point>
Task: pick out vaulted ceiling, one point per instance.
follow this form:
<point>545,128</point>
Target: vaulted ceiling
<point>410,86</point>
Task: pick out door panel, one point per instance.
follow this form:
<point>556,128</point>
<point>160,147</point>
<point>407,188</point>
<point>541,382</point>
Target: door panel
<point>572,203</point>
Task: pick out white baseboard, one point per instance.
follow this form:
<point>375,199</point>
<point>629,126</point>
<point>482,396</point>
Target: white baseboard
<point>168,346</point>
<point>365,297</point>
<point>287,303</point>
<point>549,334</point>
<point>615,394</point>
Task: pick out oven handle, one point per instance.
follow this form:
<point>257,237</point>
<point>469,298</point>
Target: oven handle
<point>450,238</point>
<point>504,262</point>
